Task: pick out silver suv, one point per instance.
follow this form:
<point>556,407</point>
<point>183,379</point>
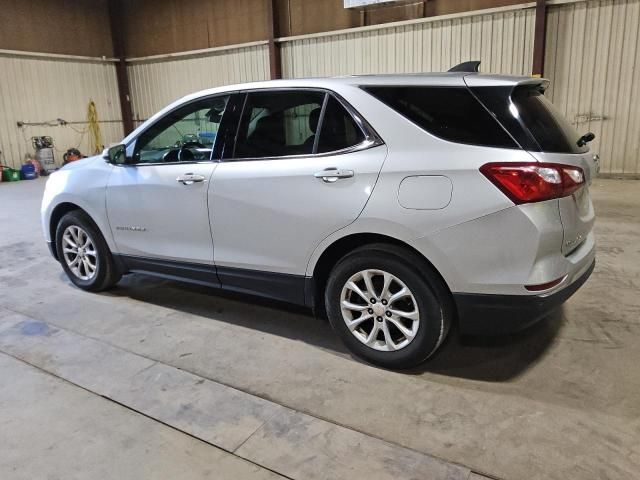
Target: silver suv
<point>395,205</point>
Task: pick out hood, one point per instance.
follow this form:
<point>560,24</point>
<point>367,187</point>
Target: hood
<point>82,163</point>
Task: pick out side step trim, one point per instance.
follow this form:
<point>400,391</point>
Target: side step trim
<point>275,286</point>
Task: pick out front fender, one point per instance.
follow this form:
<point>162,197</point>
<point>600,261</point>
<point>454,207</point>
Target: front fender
<point>83,187</point>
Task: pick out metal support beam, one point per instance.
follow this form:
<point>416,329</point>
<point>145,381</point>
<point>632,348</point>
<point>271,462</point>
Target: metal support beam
<point>428,9</point>
<point>275,61</point>
<point>363,17</point>
<point>116,20</point>
<point>539,39</point>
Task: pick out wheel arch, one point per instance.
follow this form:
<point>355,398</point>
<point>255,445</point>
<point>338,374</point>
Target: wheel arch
<point>57,213</point>
<point>344,245</point>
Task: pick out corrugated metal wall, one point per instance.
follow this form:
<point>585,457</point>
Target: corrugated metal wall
<point>155,84</point>
<point>593,62</point>
<point>503,41</point>
<point>593,54</point>
<point>41,90</point>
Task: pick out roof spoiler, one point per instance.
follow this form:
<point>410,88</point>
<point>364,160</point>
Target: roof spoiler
<point>468,67</point>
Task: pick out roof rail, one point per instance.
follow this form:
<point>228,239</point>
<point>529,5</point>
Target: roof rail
<point>470,67</point>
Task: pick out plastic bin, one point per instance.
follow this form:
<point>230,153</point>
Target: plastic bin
<point>28,172</point>
<point>10,174</point>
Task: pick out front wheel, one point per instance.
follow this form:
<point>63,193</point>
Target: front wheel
<point>386,308</point>
<point>84,254</point>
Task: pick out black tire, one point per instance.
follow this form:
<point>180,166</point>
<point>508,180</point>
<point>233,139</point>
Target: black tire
<point>106,273</point>
<point>433,299</point>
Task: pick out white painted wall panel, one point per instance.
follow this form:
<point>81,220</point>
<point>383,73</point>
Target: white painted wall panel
<point>38,90</point>
<point>593,62</point>
<point>156,83</point>
<point>503,41</point>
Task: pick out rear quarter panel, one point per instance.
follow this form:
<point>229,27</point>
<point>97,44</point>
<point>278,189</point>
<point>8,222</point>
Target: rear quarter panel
<point>414,152</point>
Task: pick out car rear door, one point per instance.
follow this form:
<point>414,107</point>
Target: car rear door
<point>576,211</point>
<point>559,142</point>
<point>533,121</point>
<point>304,166</point>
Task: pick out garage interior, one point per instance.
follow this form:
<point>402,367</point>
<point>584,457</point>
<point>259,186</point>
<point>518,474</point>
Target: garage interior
<point>161,379</point>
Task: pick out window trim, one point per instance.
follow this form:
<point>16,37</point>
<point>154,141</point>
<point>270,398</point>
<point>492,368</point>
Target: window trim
<point>318,132</point>
<point>133,141</point>
<point>371,137</point>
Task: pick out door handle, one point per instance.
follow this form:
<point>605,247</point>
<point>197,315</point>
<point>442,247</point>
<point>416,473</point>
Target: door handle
<point>190,179</point>
<point>330,175</point>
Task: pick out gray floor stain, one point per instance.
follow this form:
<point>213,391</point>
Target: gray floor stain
<point>36,328</point>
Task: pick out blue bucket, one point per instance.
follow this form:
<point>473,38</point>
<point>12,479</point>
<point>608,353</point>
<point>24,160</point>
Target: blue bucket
<point>28,172</point>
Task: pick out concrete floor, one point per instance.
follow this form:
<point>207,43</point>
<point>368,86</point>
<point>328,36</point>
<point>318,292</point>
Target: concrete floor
<point>51,429</point>
<point>561,400</point>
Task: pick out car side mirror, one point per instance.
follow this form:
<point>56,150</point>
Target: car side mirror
<point>117,155</point>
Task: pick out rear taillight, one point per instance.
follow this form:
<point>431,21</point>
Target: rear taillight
<point>534,182</point>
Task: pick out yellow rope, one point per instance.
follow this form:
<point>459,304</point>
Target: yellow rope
<point>95,136</point>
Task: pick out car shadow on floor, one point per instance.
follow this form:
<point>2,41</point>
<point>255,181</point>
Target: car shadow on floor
<point>492,359</point>
<point>256,313</point>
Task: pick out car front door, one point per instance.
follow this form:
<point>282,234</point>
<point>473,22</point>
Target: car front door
<point>303,166</point>
<point>157,201</point>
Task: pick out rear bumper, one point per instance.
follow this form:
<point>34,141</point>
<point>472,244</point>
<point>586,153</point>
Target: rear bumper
<point>482,314</point>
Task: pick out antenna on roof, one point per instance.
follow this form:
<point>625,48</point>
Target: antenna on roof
<point>470,67</point>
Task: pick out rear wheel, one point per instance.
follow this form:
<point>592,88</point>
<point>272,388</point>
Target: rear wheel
<point>84,254</point>
<point>386,308</point>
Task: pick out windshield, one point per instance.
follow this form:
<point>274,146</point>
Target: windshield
<point>531,118</point>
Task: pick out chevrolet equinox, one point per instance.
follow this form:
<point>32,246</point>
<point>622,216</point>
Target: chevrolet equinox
<point>394,205</point>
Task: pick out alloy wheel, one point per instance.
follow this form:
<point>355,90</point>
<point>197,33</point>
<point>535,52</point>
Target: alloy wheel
<point>379,310</point>
<point>79,252</point>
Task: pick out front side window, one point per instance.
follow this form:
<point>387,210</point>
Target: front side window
<point>279,123</point>
<point>186,134</point>
<point>451,113</point>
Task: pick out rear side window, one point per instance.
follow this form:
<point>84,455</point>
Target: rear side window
<point>451,113</point>
<point>339,129</point>
<point>531,118</point>
<point>279,124</point>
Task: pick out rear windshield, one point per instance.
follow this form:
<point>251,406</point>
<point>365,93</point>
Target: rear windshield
<point>451,113</point>
<point>531,118</point>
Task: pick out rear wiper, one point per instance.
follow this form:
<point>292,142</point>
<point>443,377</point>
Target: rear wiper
<point>586,138</point>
